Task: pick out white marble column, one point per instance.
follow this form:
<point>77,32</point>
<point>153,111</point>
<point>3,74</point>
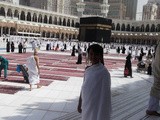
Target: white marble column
<point>80,8</point>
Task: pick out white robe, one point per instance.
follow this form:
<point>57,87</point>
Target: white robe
<point>96,93</point>
<point>155,90</point>
<point>32,71</point>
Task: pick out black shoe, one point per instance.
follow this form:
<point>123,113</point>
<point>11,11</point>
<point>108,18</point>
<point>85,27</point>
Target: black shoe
<point>154,113</point>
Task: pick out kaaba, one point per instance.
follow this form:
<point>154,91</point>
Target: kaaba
<point>95,29</point>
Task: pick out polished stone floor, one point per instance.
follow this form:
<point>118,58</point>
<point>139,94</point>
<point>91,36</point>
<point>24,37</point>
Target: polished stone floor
<point>59,100</point>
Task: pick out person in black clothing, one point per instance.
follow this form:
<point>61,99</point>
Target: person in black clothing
<point>128,65</point>
<point>73,51</point>
<point>140,58</point>
<point>149,69</point>
<point>123,50</point>
<point>85,47</point>
<point>118,50</point>
<point>149,55</point>
<point>79,61</point>
<point>12,46</point>
<point>48,47</point>
<point>142,52</point>
<point>20,47</point>
<point>8,46</point>
<point>65,46</point>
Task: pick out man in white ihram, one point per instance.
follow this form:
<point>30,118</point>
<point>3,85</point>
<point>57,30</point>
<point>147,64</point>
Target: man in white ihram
<point>33,70</point>
<point>153,107</point>
<point>95,99</point>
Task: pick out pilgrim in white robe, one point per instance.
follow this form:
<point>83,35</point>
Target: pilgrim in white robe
<point>32,71</point>
<point>155,90</point>
<point>96,93</point>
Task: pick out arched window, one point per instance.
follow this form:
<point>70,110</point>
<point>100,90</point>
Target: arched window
<point>137,29</point>
<point>62,37</point>
<point>123,27</point>
<point>66,35</point>
<point>118,27</point>
<point>16,14</point>
<point>142,28</point>
<point>128,27</point>
<point>45,19</point>
<point>9,13</point>
<point>60,21</point>
<point>7,29</point>
<point>72,23</point>
<point>50,20</point>
<point>64,22</point>
<point>132,29</point>
<point>68,22</point>
<point>55,20</point>
<point>147,28</point>
<point>70,36</point>
<point>113,26</point>
<point>43,34</point>
<point>74,36</point>
<point>158,28</point>
<point>22,16</point>
<point>2,12</point>
<point>28,16</point>
<point>40,18</point>
<point>34,17</point>
<point>12,31</point>
<point>52,35</point>
<point>48,34</point>
<point>153,29</point>
<point>57,35</point>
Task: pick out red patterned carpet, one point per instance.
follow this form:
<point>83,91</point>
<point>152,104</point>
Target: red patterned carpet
<point>53,67</point>
<point>8,89</point>
<point>58,67</point>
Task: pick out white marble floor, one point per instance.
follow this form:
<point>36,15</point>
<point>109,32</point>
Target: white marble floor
<point>60,97</point>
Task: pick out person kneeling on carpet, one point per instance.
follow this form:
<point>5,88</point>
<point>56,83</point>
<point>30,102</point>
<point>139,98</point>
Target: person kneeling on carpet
<point>4,65</point>
<point>33,70</point>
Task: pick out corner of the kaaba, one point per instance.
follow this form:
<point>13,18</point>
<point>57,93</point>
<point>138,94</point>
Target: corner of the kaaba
<point>95,29</point>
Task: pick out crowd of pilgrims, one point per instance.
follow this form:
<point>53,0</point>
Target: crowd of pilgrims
<point>142,53</point>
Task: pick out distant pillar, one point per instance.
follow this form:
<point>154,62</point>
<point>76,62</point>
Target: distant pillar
<point>105,8</point>
<point>80,8</point>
